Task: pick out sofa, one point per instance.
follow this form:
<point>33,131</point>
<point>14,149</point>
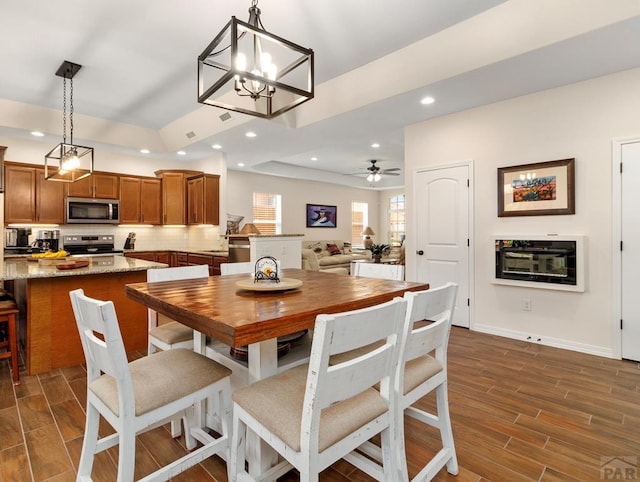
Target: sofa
<point>329,255</point>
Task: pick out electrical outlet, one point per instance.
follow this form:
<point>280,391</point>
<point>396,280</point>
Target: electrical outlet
<point>526,304</point>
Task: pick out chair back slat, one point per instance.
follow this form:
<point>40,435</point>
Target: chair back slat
<point>236,268</point>
<point>334,334</point>
<point>434,305</point>
<point>178,273</point>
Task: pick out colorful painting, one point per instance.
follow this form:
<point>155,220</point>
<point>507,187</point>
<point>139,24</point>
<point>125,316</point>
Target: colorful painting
<point>534,189</point>
<point>321,216</point>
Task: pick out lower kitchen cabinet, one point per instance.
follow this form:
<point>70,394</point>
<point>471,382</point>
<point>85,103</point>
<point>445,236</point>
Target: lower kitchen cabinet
<point>157,256</point>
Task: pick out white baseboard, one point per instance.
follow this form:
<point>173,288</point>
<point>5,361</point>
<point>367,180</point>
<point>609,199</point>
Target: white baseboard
<point>545,340</point>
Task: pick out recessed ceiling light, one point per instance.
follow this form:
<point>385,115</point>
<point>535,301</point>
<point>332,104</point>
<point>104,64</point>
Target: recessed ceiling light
<point>37,134</point>
<point>217,146</point>
<point>181,153</point>
<point>314,158</point>
<point>251,134</point>
<point>241,164</point>
<point>427,100</point>
<point>375,145</point>
<point>145,151</point>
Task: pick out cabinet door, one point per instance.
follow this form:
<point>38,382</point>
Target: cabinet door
<point>81,188</point>
<point>105,186</point>
<point>19,196</point>
<point>150,201</point>
<point>195,197</point>
<point>49,200</point>
<point>211,200</point>
<point>217,261</point>
<point>164,257</point>
<point>173,196</point>
<point>129,200</point>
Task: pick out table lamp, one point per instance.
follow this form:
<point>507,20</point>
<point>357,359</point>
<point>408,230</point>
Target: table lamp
<point>367,240</point>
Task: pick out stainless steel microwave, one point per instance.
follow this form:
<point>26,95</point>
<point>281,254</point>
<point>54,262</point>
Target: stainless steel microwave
<point>92,211</point>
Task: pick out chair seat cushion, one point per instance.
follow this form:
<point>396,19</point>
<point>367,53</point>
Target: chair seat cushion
<point>162,378</point>
<point>172,332</point>
<point>277,402</point>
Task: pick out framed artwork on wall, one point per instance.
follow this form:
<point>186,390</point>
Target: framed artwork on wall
<point>539,189</point>
<point>321,216</point>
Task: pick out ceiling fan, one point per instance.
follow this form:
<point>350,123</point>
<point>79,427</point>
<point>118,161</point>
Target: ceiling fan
<point>374,173</point>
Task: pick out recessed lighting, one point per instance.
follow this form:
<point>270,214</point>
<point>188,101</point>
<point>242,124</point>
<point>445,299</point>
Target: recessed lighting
<point>145,151</point>
<point>181,153</point>
<point>314,158</point>
<point>427,100</point>
<point>375,145</point>
<point>217,146</point>
<point>37,134</point>
<point>251,134</point>
<point>241,164</point>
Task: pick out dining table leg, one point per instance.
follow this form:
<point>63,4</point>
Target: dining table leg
<point>263,363</point>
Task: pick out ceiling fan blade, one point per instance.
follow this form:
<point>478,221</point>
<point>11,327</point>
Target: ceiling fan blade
<point>387,173</point>
<point>392,169</point>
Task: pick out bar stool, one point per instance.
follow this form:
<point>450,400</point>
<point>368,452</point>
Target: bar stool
<point>8,311</point>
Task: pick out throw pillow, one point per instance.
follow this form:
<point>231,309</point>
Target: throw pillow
<point>316,247</point>
<point>347,248</point>
<point>319,250</point>
<point>333,249</point>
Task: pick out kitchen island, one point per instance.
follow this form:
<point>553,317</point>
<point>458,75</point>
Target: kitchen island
<point>47,329</point>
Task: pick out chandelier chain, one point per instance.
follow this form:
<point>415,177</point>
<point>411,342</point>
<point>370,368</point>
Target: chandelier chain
<point>71,111</point>
<point>64,110</point>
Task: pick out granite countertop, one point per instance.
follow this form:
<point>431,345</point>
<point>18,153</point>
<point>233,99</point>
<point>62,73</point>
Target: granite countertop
<point>20,268</point>
<point>173,250</point>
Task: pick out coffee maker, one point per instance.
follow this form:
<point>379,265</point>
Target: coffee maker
<point>48,239</point>
<point>17,237</point>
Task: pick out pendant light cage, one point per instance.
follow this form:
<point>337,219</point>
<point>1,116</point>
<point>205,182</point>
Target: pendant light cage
<point>68,162</point>
<point>247,69</point>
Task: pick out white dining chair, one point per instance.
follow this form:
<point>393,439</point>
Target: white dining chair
<point>138,396</point>
<point>422,369</point>
<point>166,334</point>
<point>171,334</point>
<point>315,414</point>
<point>236,268</point>
<point>378,270</point>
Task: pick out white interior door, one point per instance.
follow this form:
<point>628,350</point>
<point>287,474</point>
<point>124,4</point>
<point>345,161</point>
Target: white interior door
<point>442,232</point>
<point>630,224</point>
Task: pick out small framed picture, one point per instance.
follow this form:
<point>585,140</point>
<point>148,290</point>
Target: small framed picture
<point>321,216</point>
<point>539,189</point>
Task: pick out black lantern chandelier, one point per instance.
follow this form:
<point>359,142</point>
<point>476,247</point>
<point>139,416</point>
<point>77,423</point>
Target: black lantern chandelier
<point>253,71</point>
<point>68,162</point>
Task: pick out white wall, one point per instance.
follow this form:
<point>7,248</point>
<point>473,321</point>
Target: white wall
<point>295,195</point>
<point>578,121</point>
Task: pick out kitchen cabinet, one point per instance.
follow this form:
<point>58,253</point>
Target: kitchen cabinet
<point>203,199</point>
<point>140,200</point>
<point>213,261</point>
<point>97,185</point>
<point>29,198</point>
<point>156,256</point>
<point>174,209</point>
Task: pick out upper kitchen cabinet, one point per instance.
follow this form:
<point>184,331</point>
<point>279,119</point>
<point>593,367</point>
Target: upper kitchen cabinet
<point>140,200</point>
<point>29,198</point>
<point>203,199</point>
<point>98,185</point>
<point>174,185</point>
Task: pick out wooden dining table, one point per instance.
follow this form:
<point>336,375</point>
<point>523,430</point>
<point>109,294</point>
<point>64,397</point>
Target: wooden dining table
<point>216,307</point>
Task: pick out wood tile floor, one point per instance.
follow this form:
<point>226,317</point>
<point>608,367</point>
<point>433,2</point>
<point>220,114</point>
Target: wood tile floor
<point>520,412</point>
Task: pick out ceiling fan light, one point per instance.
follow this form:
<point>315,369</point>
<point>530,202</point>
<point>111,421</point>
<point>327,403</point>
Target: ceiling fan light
<point>370,178</point>
<point>377,177</point>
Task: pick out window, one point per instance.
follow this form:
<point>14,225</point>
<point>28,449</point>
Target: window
<point>267,212</point>
<point>359,221</point>
<point>396,219</point>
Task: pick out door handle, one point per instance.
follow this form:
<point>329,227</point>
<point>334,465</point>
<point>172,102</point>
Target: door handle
<point>419,252</point>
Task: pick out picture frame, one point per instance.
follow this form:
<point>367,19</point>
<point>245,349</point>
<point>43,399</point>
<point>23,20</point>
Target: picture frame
<point>537,189</point>
<point>321,216</point>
